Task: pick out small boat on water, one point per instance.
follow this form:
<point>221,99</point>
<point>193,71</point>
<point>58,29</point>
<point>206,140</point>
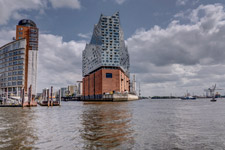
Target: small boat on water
<point>213,100</point>
<point>188,98</point>
<point>45,103</point>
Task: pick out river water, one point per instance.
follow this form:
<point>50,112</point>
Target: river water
<point>144,124</point>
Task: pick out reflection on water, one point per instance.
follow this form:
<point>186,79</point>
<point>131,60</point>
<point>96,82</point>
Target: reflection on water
<point>16,129</point>
<point>107,127</point>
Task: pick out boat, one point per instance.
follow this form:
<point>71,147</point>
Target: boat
<point>188,98</point>
<point>45,103</point>
<point>213,100</point>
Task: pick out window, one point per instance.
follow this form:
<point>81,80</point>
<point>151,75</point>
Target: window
<point>20,72</point>
<point>33,30</point>
<point>20,67</point>
<point>108,75</point>
<point>20,77</point>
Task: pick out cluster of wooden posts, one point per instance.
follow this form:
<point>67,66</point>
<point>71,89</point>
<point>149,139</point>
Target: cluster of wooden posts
<point>47,98</point>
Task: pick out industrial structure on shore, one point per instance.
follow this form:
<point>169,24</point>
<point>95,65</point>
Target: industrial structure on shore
<point>18,61</point>
<point>105,62</point>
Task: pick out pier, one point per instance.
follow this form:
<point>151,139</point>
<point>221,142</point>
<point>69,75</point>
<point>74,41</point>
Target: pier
<point>24,100</point>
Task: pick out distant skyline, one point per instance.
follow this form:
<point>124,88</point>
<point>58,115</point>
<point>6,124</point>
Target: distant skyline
<point>174,45</point>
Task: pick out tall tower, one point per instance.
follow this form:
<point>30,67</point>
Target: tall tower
<point>105,60</point>
<point>27,29</point>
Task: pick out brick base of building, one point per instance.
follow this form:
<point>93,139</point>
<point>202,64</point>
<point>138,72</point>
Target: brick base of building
<point>105,80</point>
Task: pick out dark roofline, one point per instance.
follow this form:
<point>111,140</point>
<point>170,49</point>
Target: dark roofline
<point>27,22</point>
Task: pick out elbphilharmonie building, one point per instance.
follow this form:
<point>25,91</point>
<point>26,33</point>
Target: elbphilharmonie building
<point>105,60</point>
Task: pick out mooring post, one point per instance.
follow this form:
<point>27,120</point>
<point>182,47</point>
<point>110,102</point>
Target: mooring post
<point>51,95</point>
<point>6,99</point>
<point>29,96</point>
<point>23,96</point>
<point>45,95</point>
<point>59,97</point>
<point>30,92</point>
<point>48,96</point>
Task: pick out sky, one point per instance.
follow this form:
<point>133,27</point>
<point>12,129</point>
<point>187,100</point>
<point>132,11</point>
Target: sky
<point>174,45</point>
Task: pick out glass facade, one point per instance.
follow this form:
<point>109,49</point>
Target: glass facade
<point>107,46</point>
<point>12,60</point>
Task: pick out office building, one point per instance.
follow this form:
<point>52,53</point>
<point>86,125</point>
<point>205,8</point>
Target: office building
<point>18,60</point>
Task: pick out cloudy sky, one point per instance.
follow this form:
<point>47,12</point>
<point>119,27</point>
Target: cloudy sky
<point>174,45</point>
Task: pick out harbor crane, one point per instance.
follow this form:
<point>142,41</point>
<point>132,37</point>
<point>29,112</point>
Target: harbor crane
<point>212,94</point>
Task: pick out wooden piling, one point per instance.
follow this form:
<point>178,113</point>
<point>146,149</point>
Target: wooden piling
<point>23,97</point>
<point>30,96</point>
<point>51,95</point>
<point>6,99</point>
<point>48,96</point>
<point>59,97</point>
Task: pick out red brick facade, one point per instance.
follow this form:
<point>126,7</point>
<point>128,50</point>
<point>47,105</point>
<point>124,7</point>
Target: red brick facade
<point>97,83</point>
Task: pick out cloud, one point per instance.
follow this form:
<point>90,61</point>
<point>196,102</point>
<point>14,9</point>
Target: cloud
<point>181,2</point>
<point>14,8</point>
<point>181,56</point>
<point>85,36</point>
<point>120,1</point>
<point>9,8</point>
<point>75,4</point>
<point>59,62</point>
<point>6,35</point>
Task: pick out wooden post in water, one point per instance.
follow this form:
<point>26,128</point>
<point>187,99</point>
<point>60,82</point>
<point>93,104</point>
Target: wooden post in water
<point>23,96</point>
<point>30,93</point>
<point>59,97</point>
<point>43,95</point>
<point>48,96</point>
<point>21,91</point>
<point>29,96</point>
<point>45,98</point>
<point>51,95</point>
<point>6,99</point>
